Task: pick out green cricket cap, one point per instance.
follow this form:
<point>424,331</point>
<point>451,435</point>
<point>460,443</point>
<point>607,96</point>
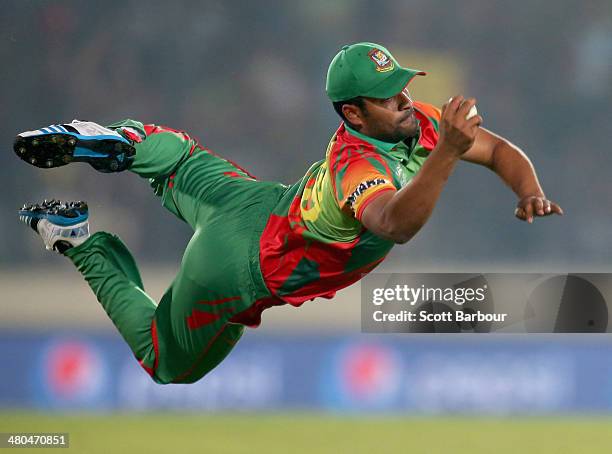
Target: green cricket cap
<point>366,69</point>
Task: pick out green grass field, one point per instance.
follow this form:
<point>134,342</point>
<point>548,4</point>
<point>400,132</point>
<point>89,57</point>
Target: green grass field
<point>313,433</point>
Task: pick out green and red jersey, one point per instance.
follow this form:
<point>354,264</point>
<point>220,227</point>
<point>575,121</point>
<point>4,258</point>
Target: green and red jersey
<point>314,243</point>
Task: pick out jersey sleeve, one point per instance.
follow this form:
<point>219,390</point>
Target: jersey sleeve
<point>359,178</point>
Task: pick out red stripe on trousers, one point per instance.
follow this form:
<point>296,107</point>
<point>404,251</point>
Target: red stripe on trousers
<point>155,344</point>
<point>200,357</point>
<point>151,371</point>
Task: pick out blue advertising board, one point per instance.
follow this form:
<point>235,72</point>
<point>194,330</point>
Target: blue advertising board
<point>502,374</point>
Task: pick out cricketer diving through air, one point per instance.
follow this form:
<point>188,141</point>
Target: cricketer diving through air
<point>258,244</point>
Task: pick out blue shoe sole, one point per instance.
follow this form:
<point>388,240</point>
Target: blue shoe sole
<point>104,153</point>
<point>58,213</point>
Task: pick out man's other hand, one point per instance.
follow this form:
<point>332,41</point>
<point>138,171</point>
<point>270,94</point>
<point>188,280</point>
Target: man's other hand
<point>531,206</point>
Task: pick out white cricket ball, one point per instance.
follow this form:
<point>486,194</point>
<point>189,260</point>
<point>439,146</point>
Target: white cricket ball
<point>472,113</point>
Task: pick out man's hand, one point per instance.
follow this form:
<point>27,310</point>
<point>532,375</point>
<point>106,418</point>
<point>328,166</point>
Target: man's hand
<point>457,134</point>
<point>531,206</point>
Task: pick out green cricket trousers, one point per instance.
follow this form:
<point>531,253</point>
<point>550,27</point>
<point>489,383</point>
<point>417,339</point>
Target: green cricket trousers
<point>198,320</point>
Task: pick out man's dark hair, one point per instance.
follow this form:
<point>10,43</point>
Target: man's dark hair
<point>357,101</point>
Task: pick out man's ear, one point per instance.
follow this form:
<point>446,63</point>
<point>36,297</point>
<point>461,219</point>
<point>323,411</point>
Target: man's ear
<point>353,114</point>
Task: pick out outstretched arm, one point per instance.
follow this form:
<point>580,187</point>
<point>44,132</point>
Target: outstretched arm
<point>516,170</point>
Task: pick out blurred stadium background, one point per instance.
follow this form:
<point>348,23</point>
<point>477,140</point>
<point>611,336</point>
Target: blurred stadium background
<point>247,78</point>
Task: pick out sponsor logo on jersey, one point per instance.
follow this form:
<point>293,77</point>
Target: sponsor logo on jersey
<point>382,60</point>
<point>362,188</point>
